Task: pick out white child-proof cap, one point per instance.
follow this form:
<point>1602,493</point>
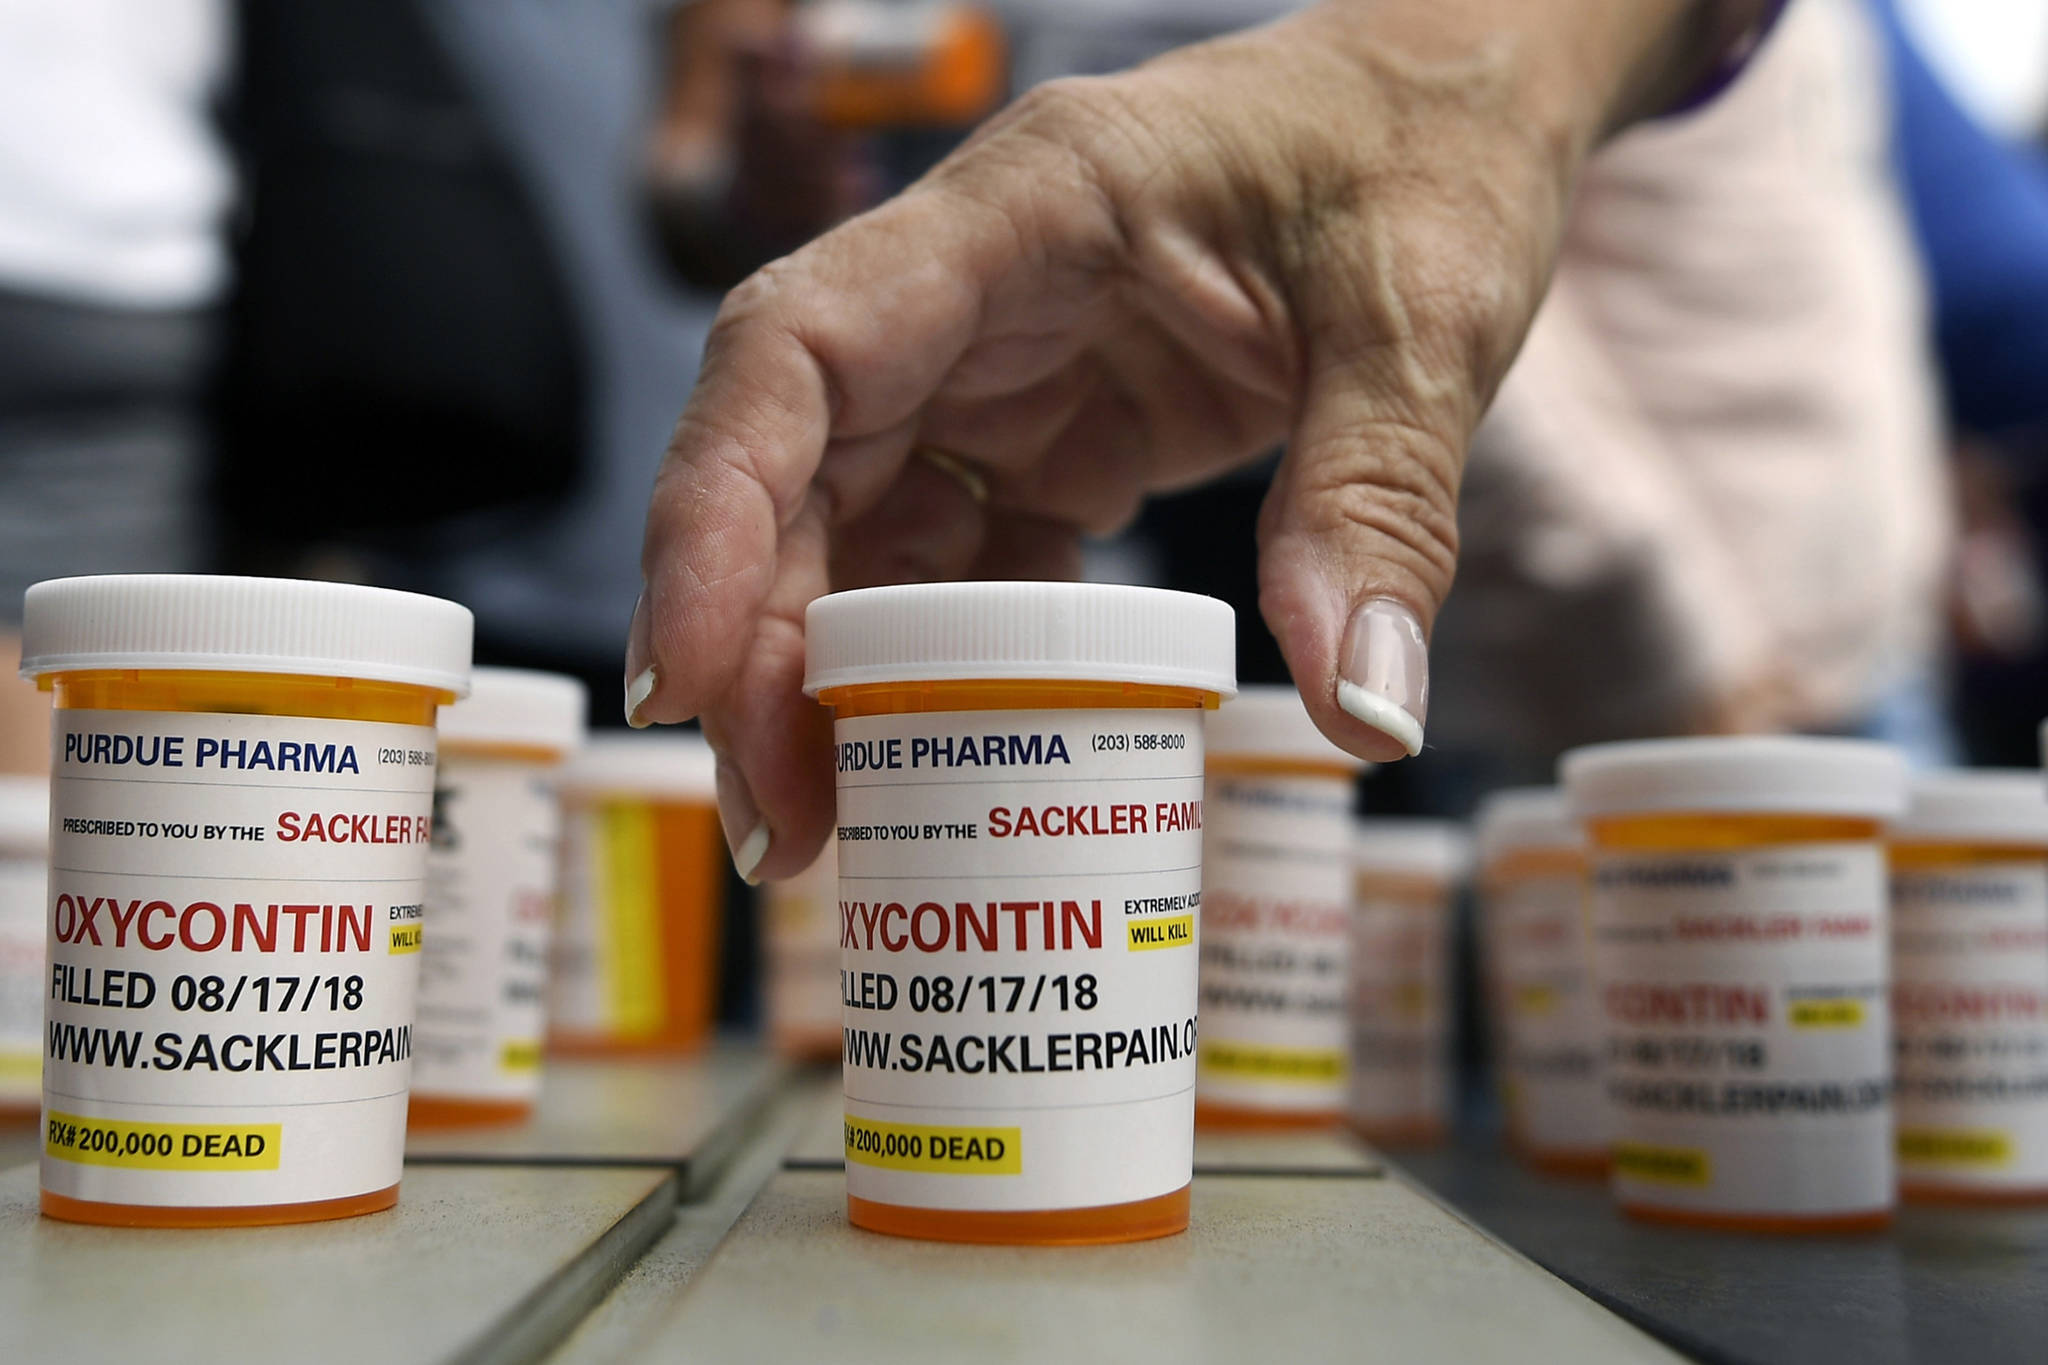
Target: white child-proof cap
<point>1270,722</point>
<point>1764,774</point>
<point>218,624</point>
<point>1039,632</point>
<point>1440,850</point>
<point>671,767</point>
<point>24,814</point>
<point>1983,805</point>
<point>1525,817</point>
<point>518,706</point>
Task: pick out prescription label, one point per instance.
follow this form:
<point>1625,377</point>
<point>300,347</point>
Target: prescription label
<point>1275,942</point>
<point>1550,1029</point>
<point>490,908</point>
<point>225,897</point>
<point>21,980</point>
<point>1970,1005</point>
<point>1399,1008</point>
<point>1747,1035</point>
<point>1020,894</point>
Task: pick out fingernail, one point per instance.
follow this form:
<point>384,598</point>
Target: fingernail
<point>1384,677</point>
<point>746,833</point>
<point>640,678</point>
<point>638,691</point>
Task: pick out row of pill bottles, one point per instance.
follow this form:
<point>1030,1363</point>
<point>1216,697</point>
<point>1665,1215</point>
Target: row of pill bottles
<point>1325,972</point>
<point>24,872</point>
<point>1968,933</point>
<point>636,951</point>
<point>1541,1005</point>
<point>1276,924</point>
<point>1409,873</point>
<point>493,873</point>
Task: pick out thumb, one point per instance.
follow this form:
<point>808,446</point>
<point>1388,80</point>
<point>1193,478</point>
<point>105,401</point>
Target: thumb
<point>1357,542</point>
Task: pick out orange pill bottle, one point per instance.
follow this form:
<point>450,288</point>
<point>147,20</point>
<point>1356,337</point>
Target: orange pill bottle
<point>242,786</point>
<point>24,871</point>
<point>1741,938</point>
<point>635,958</point>
<point>492,876</point>
<point>884,64</point>
<point>1535,953</point>
<point>1407,873</point>
<point>800,940</point>
<point>1276,903</point>
<point>1969,866</point>
<point>1020,817</point>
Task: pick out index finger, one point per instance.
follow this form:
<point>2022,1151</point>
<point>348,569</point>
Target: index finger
<point>839,345</point>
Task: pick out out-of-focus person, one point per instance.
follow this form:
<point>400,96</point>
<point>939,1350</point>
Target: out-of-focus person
<point>1710,494</point>
<point>113,187</point>
<point>452,274</point>
<point>1333,229</point>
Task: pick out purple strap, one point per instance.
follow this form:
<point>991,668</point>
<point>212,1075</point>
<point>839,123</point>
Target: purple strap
<point>1730,64</point>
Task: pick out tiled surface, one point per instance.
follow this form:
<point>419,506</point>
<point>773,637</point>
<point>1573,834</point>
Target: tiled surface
<point>1301,1248</point>
<point>626,1325</point>
<point>1273,1269</point>
<point>689,1115</point>
<point>476,1264</point>
<point>1945,1285</point>
<point>18,1141</point>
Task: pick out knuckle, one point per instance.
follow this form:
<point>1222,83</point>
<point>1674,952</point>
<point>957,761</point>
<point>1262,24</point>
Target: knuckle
<point>1402,501</point>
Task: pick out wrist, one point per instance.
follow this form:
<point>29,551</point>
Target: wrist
<point>1577,69</point>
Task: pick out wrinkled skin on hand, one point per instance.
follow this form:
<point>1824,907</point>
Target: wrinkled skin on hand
<point>1331,232</point>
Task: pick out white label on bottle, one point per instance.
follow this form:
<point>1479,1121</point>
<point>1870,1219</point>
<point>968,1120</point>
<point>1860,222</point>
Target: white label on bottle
<point>1748,1034</point>
<point>1970,997</point>
<point>490,904</point>
<point>234,918</point>
<point>801,918</point>
<point>1275,935</point>
<point>1019,898</point>
<point>1550,1029</point>
<point>576,994</point>
<point>1400,1011</point>
<point>21,980</point>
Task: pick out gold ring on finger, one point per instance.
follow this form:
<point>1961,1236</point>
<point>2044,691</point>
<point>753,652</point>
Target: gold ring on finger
<point>968,477</point>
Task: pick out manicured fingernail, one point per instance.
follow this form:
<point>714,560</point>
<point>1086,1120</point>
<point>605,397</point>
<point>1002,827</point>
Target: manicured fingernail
<point>1384,676</point>
<point>746,833</point>
<point>640,678</point>
<point>638,691</point>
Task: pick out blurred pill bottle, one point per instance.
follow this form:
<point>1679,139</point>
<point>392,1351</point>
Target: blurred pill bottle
<point>242,787</point>
<point>1969,868</point>
<point>1020,821</point>
<point>1535,955</point>
<point>1741,936</point>
<point>634,967</point>
<point>800,930</point>
<point>1406,877</point>
<point>493,873</point>
<point>903,63</point>
<point>1276,901</point>
<point>24,872</point>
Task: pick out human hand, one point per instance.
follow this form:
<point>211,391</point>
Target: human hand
<point>1332,230</point>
